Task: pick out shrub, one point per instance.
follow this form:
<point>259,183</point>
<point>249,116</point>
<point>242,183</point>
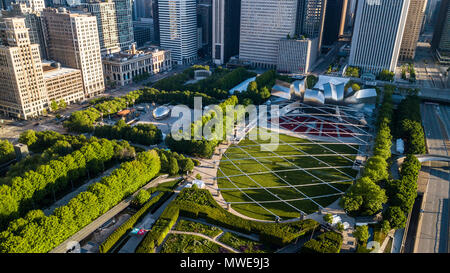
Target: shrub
<point>328,242</point>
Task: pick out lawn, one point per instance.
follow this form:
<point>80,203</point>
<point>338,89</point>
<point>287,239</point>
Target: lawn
<point>307,171</point>
<point>181,243</point>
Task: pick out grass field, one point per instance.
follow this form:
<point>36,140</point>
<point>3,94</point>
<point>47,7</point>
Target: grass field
<point>246,166</point>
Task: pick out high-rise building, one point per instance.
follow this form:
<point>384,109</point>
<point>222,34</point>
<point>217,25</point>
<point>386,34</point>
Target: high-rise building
<point>31,11</point>
<point>335,19</point>
<point>72,39</point>
<point>105,12</point>
<point>204,21</point>
<point>156,21</point>
<point>124,23</point>
<point>297,55</point>
<point>263,24</point>
<point>34,5</point>
<point>378,34</point>
<point>431,12</point>
<point>414,25</point>
<point>311,19</point>
<point>225,30</point>
<point>23,92</point>
<point>142,9</point>
<point>178,29</point>
<point>441,36</point>
<point>143,31</point>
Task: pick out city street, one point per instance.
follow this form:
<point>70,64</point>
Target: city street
<point>433,235</point>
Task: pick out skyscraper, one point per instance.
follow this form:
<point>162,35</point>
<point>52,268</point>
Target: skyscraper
<point>225,30</point>
<point>204,21</point>
<point>335,17</point>
<point>155,21</point>
<point>105,12</point>
<point>23,92</point>
<point>378,34</point>
<point>124,23</point>
<point>441,36</point>
<point>414,23</point>
<point>72,39</point>
<point>311,19</point>
<point>263,24</point>
<point>31,10</point>
<point>178,29</point>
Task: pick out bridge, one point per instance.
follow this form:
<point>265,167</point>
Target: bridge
<point>425,158</point>
<point>425,93</point>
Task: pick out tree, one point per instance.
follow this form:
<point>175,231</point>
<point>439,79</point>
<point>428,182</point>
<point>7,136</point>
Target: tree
<point>376,168</point>
<point>340,227</point>
<point>54,106</point>
<point>173,166</point>
<point>62,104</point>
<point>364,197</point>
<point>6,151</point>
<point>188,165</point>
<point>198,176</point>
<point>396,217</point>
<point>141,198</point>
<point>385,226</point>
<point>361,233</point>
<point>28,137</point>
<point>328,218</point>
<point>386,75</point>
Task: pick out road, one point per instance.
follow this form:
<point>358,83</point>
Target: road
<point>433,228</point>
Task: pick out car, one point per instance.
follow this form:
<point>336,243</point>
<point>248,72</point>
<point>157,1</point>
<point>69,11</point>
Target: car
<point>36,124</point>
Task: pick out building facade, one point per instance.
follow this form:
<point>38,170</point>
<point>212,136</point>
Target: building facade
<point>204,21</point>
<point>178,29</point>
<point>441,36</point>
<point>311,18</point>
<point>297,56</point>
<point>378,34</point>
<point>23,92</point>
<point>31,12</point>
<point>105,12</point>
<point>124,21</point>
<point>63,83</point>
<point>335,18</point>
<point>414,22</point>
<point>226,19</point>
<point>143,31</point>
<point>72,39</point>
<point>121,68</point>
<point>263,24</point>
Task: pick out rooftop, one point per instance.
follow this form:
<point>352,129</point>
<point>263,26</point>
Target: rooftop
<point>132,53</point>
<point>52,71</point>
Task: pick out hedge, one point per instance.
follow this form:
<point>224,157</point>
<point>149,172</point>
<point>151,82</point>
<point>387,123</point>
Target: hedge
<point>198,203</point>
<point>328,242</point>
<point>128,225</point>
<point>159,231</point>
